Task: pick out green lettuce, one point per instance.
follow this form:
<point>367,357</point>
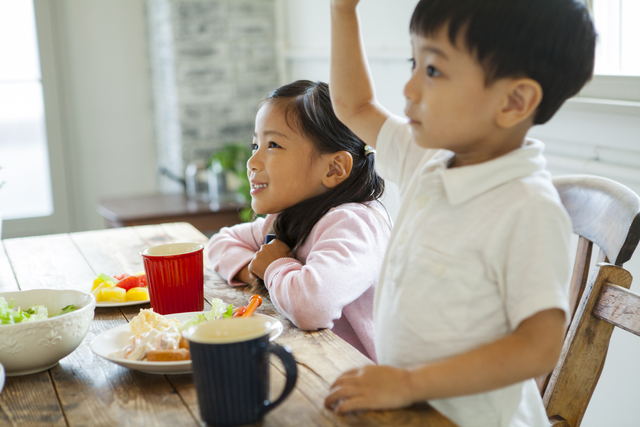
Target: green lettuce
<point>218,311</point>
<point>66,309</point>
<point>10,315</point>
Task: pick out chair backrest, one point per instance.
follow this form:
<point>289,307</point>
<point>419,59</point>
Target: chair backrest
<point>607,214</point>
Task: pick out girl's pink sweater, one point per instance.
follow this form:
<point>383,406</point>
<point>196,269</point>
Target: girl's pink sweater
<point>333,282</point>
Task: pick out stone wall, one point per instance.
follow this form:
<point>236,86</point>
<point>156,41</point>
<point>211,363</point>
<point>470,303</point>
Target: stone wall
<point>212,62</point>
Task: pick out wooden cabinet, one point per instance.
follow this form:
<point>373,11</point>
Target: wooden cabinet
<point>164,208</point>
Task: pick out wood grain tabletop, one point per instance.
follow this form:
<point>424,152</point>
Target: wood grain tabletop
<point>86,390</point>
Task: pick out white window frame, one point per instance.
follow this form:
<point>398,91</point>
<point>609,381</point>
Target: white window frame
<point>609,94</point>
<point>59,221</point>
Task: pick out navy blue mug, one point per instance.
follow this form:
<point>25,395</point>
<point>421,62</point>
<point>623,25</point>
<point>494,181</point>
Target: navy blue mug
<point>230,359</point>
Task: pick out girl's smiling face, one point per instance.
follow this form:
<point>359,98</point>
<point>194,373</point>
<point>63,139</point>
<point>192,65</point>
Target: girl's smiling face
<point>285,168</point>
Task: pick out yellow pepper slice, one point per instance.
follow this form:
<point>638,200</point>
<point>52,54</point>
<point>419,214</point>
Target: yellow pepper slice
<point>101,286</point>
<point>137,294</point>
<point>111,294</point>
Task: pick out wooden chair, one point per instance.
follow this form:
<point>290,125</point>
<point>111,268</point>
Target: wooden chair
<point>604,213</point>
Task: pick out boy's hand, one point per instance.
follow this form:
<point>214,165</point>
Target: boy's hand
<point>266,255</point>
<point>370,387</point>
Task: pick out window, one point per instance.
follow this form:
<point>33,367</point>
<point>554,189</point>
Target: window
<point>618,48</point>
<point>617,68</point>
<point>24,156</point>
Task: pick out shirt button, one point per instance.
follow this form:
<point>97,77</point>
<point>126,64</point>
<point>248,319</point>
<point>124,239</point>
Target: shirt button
<point>422,202</point>
<point>438,269</point>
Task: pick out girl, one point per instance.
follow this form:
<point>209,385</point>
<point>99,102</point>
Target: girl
<point>317,184</point>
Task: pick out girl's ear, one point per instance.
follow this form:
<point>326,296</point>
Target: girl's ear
<point>340,165</point>
<point>520,103</point>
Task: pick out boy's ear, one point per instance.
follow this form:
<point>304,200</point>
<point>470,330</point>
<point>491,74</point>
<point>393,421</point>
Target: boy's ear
<point>340,165</point>
<point>521,100</point>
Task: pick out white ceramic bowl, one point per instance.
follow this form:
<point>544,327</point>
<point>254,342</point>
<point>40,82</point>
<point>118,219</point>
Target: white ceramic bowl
<point>26,348</point>
<point>1,377</point>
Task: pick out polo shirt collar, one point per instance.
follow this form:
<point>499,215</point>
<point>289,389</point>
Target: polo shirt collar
<point>464,183</point>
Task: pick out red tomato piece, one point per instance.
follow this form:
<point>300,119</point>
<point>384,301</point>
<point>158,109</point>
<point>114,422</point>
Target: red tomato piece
<point>121,276</point>
<point>129,282</point>
<point>143,280</point>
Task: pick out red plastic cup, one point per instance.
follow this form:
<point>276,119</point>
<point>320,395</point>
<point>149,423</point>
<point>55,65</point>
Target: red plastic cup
<point>175,277</point>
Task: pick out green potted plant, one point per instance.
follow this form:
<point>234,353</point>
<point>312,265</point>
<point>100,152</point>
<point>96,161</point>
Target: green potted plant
<point>227,177</point>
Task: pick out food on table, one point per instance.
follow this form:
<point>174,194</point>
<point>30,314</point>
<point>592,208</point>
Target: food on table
<point>10,315</point>
<point>149,331</point>
<point>121,288</point>
<point>238,312</point>
<point>184,343</point>
<point>254,302</point>
<point>218,311</point>
<point>112,294</point>
<point>126,281</point>
<point>172,355</point>
<point>246,311</point>
<point>137,294</point>
<point>157,338</point>
<point>148,320</point>
<point>102,278</point>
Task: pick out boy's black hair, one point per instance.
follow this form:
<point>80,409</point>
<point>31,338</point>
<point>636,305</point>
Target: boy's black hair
<point>549,41</point>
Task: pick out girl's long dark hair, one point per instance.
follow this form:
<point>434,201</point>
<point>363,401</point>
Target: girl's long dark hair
<point>308,109</point>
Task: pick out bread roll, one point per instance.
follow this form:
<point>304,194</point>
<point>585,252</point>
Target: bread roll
<point>184,343</point>
<point>173,355</point>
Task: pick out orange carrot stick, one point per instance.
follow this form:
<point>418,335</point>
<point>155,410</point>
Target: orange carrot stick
<point>254,302</point>
<point>239,311</point>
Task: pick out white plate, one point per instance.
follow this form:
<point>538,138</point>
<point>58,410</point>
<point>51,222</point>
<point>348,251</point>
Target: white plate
<point>118,337</point>
<point>1,377</point>
<point>121,304</point>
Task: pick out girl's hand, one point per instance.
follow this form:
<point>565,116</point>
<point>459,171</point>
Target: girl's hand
<point>370,387</point>
<point>245,276</point>
<point>266,255</point>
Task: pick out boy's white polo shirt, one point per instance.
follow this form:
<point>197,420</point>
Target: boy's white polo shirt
<point>474,251</point>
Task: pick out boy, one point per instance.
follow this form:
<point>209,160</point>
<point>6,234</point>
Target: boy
<point>472,298</point>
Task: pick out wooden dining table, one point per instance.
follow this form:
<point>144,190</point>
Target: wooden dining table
<point>87,390</point>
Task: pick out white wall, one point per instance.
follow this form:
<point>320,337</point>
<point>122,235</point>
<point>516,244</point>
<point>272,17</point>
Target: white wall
<point>584,137</point>
<point>105,98</point>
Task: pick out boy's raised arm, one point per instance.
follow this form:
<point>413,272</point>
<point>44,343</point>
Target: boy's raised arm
<point>352,92</point>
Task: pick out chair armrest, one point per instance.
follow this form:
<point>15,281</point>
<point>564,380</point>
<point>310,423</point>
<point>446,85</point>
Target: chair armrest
<point>620,307</point>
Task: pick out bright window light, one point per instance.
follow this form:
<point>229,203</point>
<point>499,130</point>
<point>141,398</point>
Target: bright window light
<point>618,47</point>
<point>24,159</point>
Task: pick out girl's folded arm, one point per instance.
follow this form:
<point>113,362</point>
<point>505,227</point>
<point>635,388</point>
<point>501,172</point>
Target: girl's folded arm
<point>341,266</point>
<point>232,248</point>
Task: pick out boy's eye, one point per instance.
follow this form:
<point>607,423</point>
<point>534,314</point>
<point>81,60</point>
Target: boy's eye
<point>254,147</point>
<point>273,145</point>
<point>432,71</point>
<point>412,62</point>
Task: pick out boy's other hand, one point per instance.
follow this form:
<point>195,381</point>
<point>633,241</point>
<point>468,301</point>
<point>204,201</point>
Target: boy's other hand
<point>266,255</point>
<point>370,387</point>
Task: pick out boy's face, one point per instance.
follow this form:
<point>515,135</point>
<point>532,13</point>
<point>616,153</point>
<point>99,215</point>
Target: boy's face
<point>448,104</point>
